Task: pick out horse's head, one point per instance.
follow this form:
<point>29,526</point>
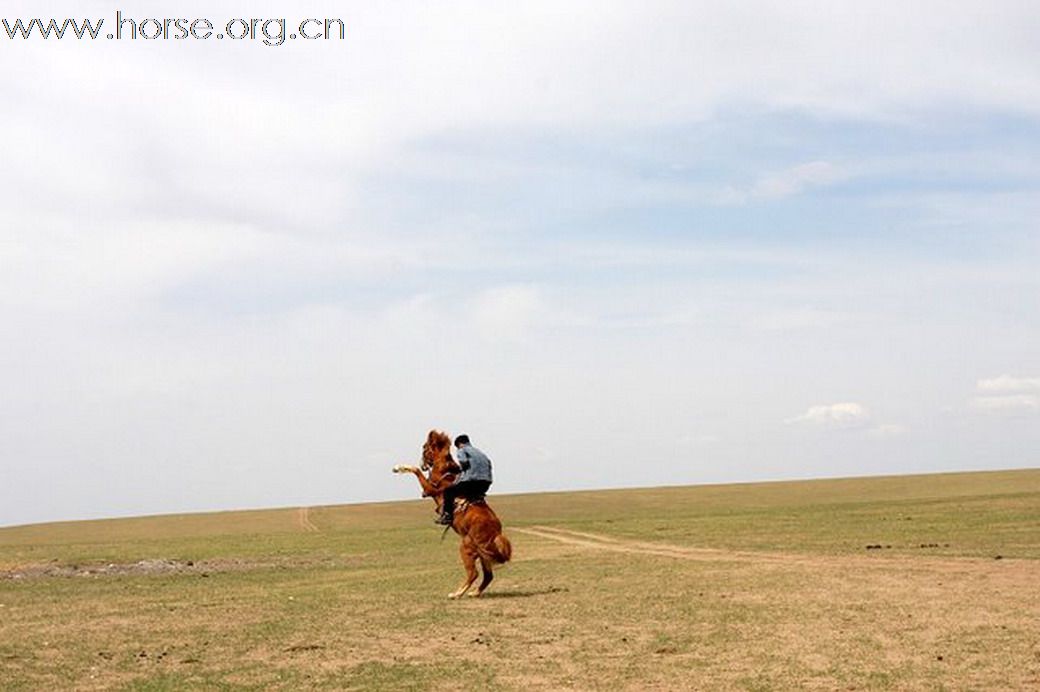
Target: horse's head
<point>436,448</point>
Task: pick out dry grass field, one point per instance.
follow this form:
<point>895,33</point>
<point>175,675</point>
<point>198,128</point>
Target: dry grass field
<point>910,583</point>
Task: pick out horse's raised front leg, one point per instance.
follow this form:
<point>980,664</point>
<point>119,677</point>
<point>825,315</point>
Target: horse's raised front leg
<point>423,481</point>
<point>469,560</point>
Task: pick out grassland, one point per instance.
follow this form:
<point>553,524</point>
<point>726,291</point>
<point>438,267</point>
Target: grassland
<point>755,587</point>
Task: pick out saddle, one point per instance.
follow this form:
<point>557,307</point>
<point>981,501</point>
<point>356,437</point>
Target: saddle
<point>463,503</point>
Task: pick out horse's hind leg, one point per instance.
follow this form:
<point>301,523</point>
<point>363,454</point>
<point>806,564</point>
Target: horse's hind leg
<point>469,561</point>
<point>485,567</point>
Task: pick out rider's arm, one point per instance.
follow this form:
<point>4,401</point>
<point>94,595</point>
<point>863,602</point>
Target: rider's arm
<point>463,456</point>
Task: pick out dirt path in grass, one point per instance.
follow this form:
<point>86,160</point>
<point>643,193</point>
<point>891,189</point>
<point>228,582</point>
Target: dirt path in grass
<point>600,542</point>
<point>303,520</point>
<point>1013,569</point>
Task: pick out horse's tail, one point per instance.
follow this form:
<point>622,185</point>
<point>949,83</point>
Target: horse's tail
<point>500,550</point>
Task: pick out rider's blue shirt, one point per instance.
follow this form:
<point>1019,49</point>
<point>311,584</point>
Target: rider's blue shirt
<point>475,464</point>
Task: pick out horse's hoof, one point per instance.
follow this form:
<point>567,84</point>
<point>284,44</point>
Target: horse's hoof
<point>476,594</point>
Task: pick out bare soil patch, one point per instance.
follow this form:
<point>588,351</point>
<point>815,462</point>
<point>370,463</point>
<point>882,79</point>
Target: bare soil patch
<point>154,567</point>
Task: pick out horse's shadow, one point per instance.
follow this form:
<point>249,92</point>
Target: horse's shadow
<point>522,593</point>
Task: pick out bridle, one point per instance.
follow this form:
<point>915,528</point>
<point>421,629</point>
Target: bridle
<point>429,462</point>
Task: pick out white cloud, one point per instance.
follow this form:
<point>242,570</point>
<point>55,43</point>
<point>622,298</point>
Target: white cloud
<point>506,313</point>
<point>844,415</point>
<point>698,439</point>
<point>799,178</point>
<point>1006,395</point>
<point>848,415</point>
<point>887,430</point>
<point>788,182</point>
<point>1011,404</point>
<point>1007,383</point>
<point>797,318</point>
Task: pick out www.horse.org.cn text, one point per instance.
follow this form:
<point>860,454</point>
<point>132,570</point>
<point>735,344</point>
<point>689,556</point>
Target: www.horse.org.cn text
<point>269,32</point>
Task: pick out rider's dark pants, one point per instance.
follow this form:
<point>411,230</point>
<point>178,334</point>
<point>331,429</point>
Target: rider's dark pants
<point>471,490</point>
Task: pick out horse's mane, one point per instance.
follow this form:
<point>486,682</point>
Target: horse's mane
<point>437,458</point>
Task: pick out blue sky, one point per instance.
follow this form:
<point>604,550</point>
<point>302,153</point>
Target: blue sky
<point>663,244</point>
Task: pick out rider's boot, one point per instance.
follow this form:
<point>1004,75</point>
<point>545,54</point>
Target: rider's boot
<point>447,513</point>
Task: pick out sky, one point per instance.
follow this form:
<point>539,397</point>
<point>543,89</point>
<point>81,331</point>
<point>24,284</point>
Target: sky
<point>618,244</point>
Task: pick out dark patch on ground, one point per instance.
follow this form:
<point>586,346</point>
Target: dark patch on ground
<point>153,566</point>
<point>304,647</point>
<point>522,593</point>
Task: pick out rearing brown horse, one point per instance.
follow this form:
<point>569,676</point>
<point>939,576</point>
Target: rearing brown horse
<point>476,523</point>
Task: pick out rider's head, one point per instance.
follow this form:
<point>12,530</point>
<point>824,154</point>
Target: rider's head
<point>461,440</point>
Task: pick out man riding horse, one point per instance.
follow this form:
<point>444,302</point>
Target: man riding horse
<point>483,542</point>
<point>472,484</point>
